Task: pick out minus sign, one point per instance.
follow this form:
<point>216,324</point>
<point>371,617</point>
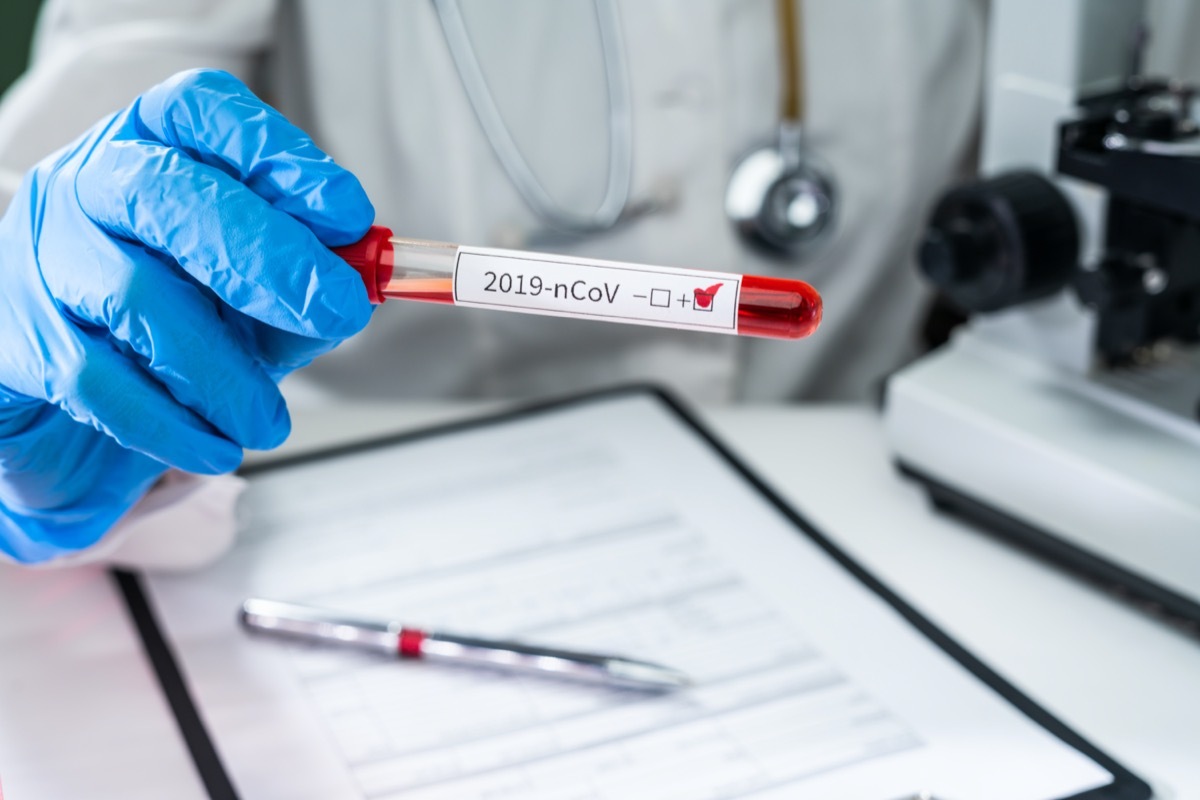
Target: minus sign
<point>641,296</point>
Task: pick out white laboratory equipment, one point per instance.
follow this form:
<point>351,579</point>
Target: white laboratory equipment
<point>1064,414</point>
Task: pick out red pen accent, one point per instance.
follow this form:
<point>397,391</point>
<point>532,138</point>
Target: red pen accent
<point>411,640</point>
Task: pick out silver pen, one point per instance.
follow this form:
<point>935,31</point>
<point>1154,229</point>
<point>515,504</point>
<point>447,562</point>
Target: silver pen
<point>306,623</point>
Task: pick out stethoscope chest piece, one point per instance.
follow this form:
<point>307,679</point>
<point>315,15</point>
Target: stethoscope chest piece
<point>781,199</point>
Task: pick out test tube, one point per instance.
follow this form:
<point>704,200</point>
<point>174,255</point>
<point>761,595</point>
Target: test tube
<point>586,288</point>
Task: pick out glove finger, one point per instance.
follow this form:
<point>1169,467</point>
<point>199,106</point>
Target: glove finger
<point>176,334</point>
<point>276,351</point>
<point>260,261</point>
<point>216,119</point>
<point>98,386</point>
<point>279,352</point>
<point>54,464</point>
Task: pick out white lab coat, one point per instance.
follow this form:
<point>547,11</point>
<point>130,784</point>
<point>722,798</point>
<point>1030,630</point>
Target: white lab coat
<point>893,88</point>
<point>892,98</point>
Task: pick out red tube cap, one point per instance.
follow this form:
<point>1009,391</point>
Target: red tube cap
<point>365,256</point>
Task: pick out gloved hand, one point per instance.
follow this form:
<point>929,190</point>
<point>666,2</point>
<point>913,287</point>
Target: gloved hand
<point>157,277</point>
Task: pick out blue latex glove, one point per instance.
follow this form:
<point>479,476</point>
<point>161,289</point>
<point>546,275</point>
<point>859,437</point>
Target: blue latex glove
<point>157,277</point>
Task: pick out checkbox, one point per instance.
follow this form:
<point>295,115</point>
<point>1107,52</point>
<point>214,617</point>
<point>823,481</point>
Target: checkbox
<point>660,298</point>
<point>708,305</point>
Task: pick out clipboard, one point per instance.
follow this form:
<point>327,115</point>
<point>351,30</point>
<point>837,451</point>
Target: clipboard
<point>172,670</point>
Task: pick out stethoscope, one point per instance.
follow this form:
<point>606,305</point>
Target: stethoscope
<point>780,198</point>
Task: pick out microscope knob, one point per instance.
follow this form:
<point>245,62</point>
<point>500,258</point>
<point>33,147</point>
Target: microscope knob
<point>1000,242</point>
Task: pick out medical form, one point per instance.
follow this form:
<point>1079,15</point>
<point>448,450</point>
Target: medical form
<point>602,525</point>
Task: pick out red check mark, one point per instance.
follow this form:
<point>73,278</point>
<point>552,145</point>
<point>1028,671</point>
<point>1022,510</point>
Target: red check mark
<point>704,297</point>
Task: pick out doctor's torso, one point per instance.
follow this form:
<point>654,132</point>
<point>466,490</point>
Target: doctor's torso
<point>892,89</point>
<point>377,85</point>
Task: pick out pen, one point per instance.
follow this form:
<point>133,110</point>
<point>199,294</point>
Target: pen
<point>306,623</point>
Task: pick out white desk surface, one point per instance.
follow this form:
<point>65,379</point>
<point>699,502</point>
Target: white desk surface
<point>1123,679</point>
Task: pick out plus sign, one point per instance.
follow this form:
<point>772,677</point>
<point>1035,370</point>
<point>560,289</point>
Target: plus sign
<point>683,300</point>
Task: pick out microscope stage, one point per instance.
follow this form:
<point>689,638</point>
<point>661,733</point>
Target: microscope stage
<point>1102,472</point>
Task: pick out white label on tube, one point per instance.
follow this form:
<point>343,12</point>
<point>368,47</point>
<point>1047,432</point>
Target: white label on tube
<point>563,286</point>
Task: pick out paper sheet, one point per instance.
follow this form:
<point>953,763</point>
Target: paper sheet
<point>607,526</point>
<point>81,714</point>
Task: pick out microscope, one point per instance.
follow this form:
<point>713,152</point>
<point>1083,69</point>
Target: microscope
<point>1065,414</point>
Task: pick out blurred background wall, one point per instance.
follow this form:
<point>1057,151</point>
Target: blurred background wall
<point>16,29</point>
